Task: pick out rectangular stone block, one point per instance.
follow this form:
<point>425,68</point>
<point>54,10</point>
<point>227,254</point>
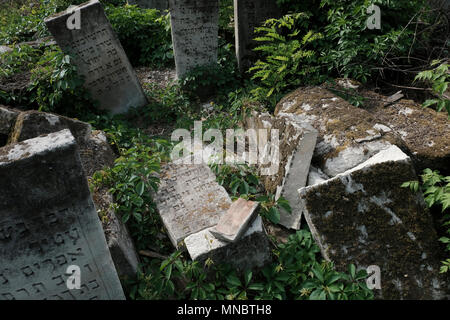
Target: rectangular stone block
<point>235,221</point>
<point>364,217</point>
<point>99,56</point>
<point>249,14</point>
<point>195,32</point>
<point>189,199</point>
<point>48,222</point>
<point>250,251</point>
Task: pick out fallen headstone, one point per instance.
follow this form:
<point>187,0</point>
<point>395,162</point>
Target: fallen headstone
<point>160,5</point>
<point>249,14</point>
<point>250,251</point>
<point>297,141</point>
<point>98,56</point>
<point>364,217</point>
<point>195,32</point>
<point>235,221</point>
<point>347,136</point>
<point>189,199</point>
<point>50,232</point>
<point>31,124</point>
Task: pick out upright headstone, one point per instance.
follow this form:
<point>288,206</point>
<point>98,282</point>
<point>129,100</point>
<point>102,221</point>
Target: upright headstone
<point>364,217</point>
<point>195,30</point>
<point>48,223</point>
<point>189,199</point>
<point>85,32</point>
<point>160,5</point>
<point>249,14</point>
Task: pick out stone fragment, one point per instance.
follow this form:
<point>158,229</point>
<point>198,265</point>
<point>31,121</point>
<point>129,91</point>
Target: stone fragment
<point>49,229</point>
<point>296,145</point>
<point>119,242</point>
<point>189,199</point>
<point>249,14</point>
<point>235,221</point>
<point>31,124</point>
<point>99,56</point>
<point>364,217</point>
<point>251,251</point>
<point>195,32</point>
<point>8,117</point>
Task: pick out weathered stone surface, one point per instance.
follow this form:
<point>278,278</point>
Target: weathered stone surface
<point>31,124</point>
<point>160,5</point>
<point>249,14</point>
<point>364,217</point>
<point>348,135</point>
<point>4,49</point>
<point>297,141</point>
<point>195,32</point>
<point>425,132</point>
<point>8,117</point>
<point>316,176</point>
<point>235,221</point>
<point>189,199</point>
<point>96,153</point>
<point>252,250</point>
<point>119,242</point>
<point>48,222</point>
<point>99,57</point>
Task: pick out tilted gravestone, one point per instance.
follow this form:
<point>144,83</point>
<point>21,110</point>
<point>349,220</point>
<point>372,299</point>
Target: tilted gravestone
<point>364,217</point>
<point>195,30</point>
<point>48,222</point>
<point>160,5</point>
<point>85,32</point>
<point>189,199</point>
<point>249,14</point>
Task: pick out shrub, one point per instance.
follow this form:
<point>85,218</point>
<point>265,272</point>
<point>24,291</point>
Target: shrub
<point>287,57</point>
<point>144,35</point>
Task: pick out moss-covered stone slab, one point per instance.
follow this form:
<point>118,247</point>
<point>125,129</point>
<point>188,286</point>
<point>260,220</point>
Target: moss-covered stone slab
<point>250,251</point>
<point>48,223</point>
<point>189,199</point>
<point>348,135</point>
<point>31,124</point>
<point>364,217</point>
<point>295,148</point>
<point>425,132</point>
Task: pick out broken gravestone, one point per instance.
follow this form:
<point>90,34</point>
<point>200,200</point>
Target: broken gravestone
<point>195,32</point>
<point>85,33</point>
<point>160,5</point>
<point>364,217</point>
<point>189,199</point>
<point>30,124</point>
<point>347,136</point>
<point>250,251</point>
<point>235,221</point>
<point>296,145</point>
<point>49,226</point>
<point>249,14</point>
